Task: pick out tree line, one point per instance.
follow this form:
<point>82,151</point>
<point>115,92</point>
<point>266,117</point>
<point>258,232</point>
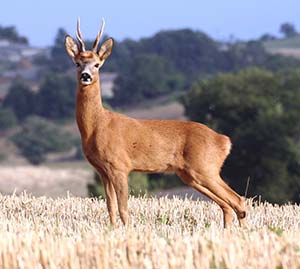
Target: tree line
<point>35,113</point>
<point>237,88</point>
<point>10,33</point>
<point>55,98</point>
<point>172,61</point>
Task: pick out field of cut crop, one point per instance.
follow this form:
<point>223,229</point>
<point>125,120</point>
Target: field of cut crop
<point>163,233</point>
<point>285,46</point>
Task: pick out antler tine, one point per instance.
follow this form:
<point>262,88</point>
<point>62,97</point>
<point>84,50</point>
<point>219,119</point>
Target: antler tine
<point>79,35</point>
<point>95,46</point>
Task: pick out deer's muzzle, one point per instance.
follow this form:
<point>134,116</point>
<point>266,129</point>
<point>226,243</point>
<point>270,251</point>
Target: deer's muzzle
<point>86,78</point>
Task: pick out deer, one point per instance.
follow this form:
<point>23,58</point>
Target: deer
<point>116,144</point>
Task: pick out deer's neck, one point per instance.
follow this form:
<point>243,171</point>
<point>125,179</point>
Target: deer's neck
<point>89,108</point>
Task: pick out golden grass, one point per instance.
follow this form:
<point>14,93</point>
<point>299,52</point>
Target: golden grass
<point>75,233</point>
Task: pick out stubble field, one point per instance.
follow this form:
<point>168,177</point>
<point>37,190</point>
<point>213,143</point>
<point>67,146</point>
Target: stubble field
<point>163,233</point>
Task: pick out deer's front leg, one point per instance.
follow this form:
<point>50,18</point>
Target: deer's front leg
<point>111,200</point>
<point>120,183</point>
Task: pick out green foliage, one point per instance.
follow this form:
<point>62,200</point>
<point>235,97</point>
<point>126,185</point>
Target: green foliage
<point>172,60</point>
<point>190,52</point>
<point>39,137</point>
<point>164,181</point>
<point>148,76</point>
<point>60,61</point>
<point>41,60</point>
<point>279,63</point>
<point>7,119</point>
<point>240,55</point>
<point>122,53</point>
<point>56,97</point>
<point>277,230</point>
<point>2,157</point>
<point>20,99</point>
<point>10,33</point>
<point>288,29</point>
<point>96,188</point>
<point>259,110</point>
<point>267,37</point>
<point>138,185</point>
<point>162,64</point>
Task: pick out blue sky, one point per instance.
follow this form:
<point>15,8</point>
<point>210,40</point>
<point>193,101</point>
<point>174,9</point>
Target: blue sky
<point>244,19</point>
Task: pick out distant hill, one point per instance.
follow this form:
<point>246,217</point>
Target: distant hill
<point>285,46</point>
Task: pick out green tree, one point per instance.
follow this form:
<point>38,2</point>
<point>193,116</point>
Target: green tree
<point>186,56</point>
<point>280,62</point>
<point>148,76</point>
<point>288,30</point>
<point>20,99</point>
<point>60,61</point>
<point>10,33</point>
<point>190,52</point>
<point>7,119</point>
<point>267,37</point>
<point>39,137</point>
<point>252,53</point>
<point>260,111</point>
<point>56,97</point>
<point>122,54</point>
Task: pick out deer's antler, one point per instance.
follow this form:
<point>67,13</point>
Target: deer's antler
<point>95,46</point>
<point>79,36</point>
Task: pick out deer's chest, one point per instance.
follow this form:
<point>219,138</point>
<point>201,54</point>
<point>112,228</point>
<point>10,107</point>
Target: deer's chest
<point>95,154</point>
<point>101,154</point>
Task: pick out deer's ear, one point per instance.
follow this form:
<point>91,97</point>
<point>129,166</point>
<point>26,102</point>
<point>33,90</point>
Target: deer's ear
<point>106,49</point>
<point>71,47</point>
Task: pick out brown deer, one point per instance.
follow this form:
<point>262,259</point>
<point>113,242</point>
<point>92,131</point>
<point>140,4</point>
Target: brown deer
<point>116,144</point>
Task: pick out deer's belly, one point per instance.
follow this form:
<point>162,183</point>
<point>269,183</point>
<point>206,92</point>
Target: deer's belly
<point>156,162</point>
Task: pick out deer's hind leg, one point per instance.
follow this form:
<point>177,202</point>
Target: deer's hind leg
<point>217,190</point>
<point>226,208</point>
<point>217,186</point>
<point>240,209</point>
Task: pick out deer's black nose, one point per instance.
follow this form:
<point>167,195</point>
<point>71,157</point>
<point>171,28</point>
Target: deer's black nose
<point>85,77</point>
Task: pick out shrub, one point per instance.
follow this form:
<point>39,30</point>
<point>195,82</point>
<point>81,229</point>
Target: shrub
<point>20,99</point>
<point>7,119</point>
<point>39,137</point>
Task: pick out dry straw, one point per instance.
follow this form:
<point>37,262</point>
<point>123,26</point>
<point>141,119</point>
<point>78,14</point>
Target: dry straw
<point>163,233</point>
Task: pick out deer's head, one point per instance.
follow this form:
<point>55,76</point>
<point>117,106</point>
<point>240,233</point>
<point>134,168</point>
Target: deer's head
<point>88,62</point>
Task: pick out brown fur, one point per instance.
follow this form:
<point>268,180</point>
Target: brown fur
<point>86,55</point>
<point>116,145</point>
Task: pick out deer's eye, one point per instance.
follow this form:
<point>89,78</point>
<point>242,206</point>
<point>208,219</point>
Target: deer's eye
<point>97,65</point>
